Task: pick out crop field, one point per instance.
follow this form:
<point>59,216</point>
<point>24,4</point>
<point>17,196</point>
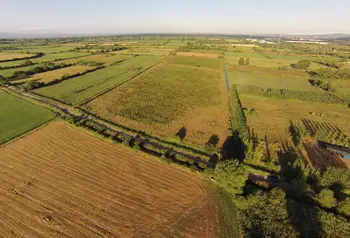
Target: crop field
<point>270,78</point>
<point>62,182</point>
<point>48,49</point>
<point>195,62</point>
<point>169,98</point>
<point>12,55</point>
<point>18,116</point>
<point>207,55</point>
<point>78,89</point>
<point>45,58</point>
<point>107,58</point>
<point>272,117</point>
<point>50,76</point>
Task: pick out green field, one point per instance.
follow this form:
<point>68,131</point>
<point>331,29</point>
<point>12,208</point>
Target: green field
<point>45,58</point>
<point>18,116</point>
<point>199,62</point>
<point>78,89</point>
<point>270,78</point>
<point>46,49</point>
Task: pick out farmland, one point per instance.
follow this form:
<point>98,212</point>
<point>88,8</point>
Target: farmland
<point>78,89</point>
<point>277,114</point>
<point>174,136</point>
<point>10,56</point>
<point>18,116</point>
<point>50,76</point>
<point>170,97</point>
<point>74,185</point>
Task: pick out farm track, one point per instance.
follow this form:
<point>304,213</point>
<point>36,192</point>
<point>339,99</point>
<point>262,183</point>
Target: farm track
<point>72,112</point>
<point>62,182</point>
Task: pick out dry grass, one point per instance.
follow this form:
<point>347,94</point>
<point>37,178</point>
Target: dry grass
<point>273,116</point>
<point>12,55</point>
<point>62,182</point>
<point>50,76</point>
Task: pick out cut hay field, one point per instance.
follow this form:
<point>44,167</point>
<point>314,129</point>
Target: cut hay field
<point>78,89</point>
<point>170,97</point>
<point>50,76</point>
<point>270,78</point>
<point>272,116</point>
<point>12,55</point>
<point>18,116</point>
<point>62,182</point>
<point>45,58</point>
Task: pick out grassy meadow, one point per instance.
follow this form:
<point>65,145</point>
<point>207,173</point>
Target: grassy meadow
<point>78,89</point>
<point>18,116</point>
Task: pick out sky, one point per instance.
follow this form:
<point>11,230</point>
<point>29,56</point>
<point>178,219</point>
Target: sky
<point>180,16</point>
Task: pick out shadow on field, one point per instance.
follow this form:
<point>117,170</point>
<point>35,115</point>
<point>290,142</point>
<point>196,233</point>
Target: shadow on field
<point>233,147</point>
<point>181,133</point>
<point>213,141</point>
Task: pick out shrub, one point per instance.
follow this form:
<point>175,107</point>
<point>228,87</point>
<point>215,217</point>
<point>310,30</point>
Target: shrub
<point>302,64</point>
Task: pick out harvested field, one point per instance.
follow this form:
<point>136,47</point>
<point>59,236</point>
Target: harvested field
<point>18,116</point>
<point>168,98</point>
<point>50,76</point>
<point>206,55</point>
<point>272,117</point>
<point>12,55</point>
<point>62,182</point>
<point>78,89</point>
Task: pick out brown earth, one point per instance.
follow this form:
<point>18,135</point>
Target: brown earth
<point>62,182</point>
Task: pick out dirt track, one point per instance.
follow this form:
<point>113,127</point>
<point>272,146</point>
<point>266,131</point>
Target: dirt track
<point>62,182</point>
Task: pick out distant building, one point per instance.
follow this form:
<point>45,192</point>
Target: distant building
<point>262,41</point>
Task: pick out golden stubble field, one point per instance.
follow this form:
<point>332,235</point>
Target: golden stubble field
<point>62,182</point>
<point>13,55</point>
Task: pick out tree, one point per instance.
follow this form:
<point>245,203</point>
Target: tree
<point>326,198</point>
<point>241,62</point>
<point>247,62</point>
<point>3,81</point>
<point>231,176</point>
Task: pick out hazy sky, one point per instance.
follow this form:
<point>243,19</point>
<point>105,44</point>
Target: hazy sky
<point>178,16</point>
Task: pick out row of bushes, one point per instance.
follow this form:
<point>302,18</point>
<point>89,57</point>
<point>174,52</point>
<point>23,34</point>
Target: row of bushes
<point>36,70</point>
<point>138,143</point>
<point>37,55</point>
<point>323,97</point>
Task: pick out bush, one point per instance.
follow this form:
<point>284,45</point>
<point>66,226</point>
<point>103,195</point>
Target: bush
<point>302,64</point>
<point>326,198</point>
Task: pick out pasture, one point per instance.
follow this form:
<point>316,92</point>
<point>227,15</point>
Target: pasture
<point>78,89</point>
<point>107,58</point>
<point>272,117</point>
<point>18,116</point>
<point>169,99</point>
<point>270,78</point>
<point>50,76</point>
<point>62,182</point>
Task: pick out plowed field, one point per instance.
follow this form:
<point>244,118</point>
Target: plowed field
<point>62,182</point>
